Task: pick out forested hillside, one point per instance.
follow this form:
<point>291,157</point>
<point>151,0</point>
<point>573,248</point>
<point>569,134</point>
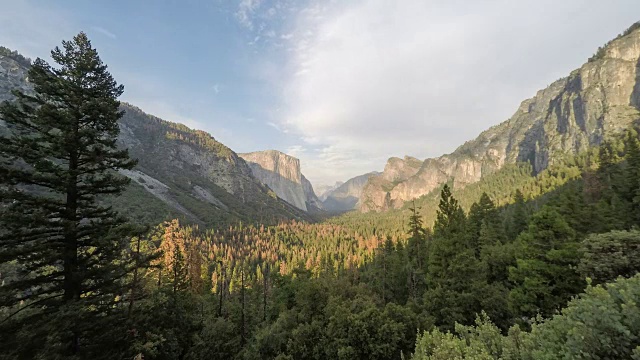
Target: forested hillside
<point>193,175</point>
<point>181,172</point>
<point>522,264</point>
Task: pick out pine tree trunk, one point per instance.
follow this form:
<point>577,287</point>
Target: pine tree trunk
<point>70,255</point>
<point>242,328</point>
<point>222,282</point>
<point>134,285</point>
<point>264,298</point>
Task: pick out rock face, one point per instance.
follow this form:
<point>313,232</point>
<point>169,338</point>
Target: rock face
<point>313,203</point>
<point>13,73</point>
<point>574,113</point>
<point>281,173</point>
<point>345,196</point>
<point>193,175</point>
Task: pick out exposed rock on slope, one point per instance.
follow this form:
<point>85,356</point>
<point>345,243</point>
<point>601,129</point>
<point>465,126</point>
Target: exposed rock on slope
<point>13,73</point>
<point>204,176</point>
<point>281,173</point>
<point>572,114</point>
<point>345,197</point>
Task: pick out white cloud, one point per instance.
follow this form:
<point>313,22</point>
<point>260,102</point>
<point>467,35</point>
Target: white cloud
<point>296,150</point>
<point>245,12</point>
<point>277,127</point>
<point>372,79</point>
<point>104,32</point>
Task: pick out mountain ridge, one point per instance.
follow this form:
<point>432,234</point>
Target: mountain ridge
<point>576,112</point>
<point>181,172</point>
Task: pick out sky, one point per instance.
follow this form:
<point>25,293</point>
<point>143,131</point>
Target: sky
<point>342,85</point>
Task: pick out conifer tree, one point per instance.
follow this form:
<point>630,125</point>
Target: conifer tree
<point>520,215</point>
<point>632,175</point>
<point>482,214</point>
<point>450,218</point>
<point>545,274</point>
<point>416,252</point>
<point>455,279</point>
<point>174,263</point>
<point>611,208</point>
<point>59,157</point>
<point>608,158</point>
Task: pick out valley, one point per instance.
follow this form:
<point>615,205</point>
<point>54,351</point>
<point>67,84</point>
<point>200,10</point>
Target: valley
<point>523,243</point>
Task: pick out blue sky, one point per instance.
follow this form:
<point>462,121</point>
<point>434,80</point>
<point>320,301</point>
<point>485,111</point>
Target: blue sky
<point>343,85</point>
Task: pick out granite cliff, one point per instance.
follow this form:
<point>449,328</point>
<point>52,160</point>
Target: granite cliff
<point>314,204</point>
<point>600,98</point>
<point>281,173</point>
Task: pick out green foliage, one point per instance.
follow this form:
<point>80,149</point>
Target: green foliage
<point>602,323</point>
<point>338,326</point>
<point>417,253</point>
<point>455,277</point>
<point>481,342</point>
<point>609,255</point>
<point>520,217</point>
<point>545,274</point>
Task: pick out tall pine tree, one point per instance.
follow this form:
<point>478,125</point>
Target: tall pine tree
<point>545,276</point>
<point>416,253</point>
<point>59,157</point>
<point>455,281</point>
<point>482,215</point>
<point>520,215</point>
<point>632,176</point>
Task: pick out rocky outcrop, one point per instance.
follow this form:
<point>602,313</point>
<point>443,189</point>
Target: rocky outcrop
<point>345,197</point>
<point>13,73</point>
<point>281,173</point>
<point>574,113</point>
<point>174,150</point>
<point>203,175</point>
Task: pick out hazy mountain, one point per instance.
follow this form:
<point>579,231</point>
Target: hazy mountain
<point>345,196</point>
<point>181,172</point>
<point>324,190</point>
<point>600,98</point>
